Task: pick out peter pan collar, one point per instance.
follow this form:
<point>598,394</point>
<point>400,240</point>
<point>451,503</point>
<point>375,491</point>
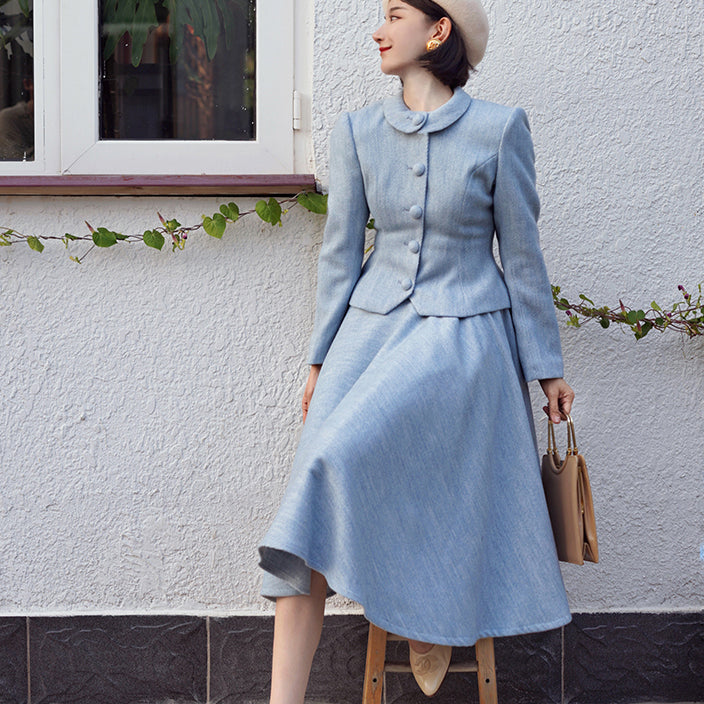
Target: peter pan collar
<point>406,120</point>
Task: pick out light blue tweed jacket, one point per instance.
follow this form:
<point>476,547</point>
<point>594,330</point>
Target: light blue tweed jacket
<point>439,186</point>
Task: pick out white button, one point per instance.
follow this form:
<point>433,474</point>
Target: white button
<point>407,284</point>
<point>416,212</point>
<point>419,169</point>
<point>414,246</point>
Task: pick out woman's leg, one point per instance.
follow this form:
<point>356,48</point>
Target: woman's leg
<point>297,627</point>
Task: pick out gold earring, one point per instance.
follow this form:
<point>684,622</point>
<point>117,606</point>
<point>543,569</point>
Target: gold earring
<point>432,44</point>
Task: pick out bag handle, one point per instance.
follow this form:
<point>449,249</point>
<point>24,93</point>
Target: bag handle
<point>570,428</point>
<point>571,437</point>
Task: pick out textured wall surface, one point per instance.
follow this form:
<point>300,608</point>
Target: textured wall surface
<point>149,407</point>
<point>149,401</point>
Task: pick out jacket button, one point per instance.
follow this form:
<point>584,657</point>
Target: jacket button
<point>418,119</point>
<point>414,246</point>
<point>416,212</point>
<point>419,169</point>
<point>407,284</point>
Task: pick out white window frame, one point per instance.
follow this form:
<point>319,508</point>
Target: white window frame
<point>66,67</point>
<point>42,98</point>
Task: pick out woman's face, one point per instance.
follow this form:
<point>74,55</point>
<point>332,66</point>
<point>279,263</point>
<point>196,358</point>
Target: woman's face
<point>402,36</point>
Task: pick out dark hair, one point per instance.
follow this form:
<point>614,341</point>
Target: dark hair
<point>449,62</point>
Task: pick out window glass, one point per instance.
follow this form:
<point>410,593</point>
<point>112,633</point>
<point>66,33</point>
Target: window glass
<point>16,81</point>
<point>177,69</point>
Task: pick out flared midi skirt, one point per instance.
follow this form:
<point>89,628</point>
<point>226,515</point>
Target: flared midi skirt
<point>416,489</point>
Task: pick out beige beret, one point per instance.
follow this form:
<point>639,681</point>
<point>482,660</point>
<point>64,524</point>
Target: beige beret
<point>469,17</point>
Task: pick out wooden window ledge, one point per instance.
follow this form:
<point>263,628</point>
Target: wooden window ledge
<point>106,185</point>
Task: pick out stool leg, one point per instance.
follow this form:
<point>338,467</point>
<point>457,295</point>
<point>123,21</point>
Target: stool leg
<point>486,671</point>
<point>374,669</point>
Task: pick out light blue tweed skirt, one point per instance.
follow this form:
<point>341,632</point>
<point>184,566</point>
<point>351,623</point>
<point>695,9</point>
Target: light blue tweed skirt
<point>416,486</point>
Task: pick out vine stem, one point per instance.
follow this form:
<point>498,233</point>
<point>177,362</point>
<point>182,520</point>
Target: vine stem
<point>686,316</point>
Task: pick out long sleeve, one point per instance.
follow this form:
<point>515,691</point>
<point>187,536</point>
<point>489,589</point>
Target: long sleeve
<point>516,210</point>
<point>342,253</point>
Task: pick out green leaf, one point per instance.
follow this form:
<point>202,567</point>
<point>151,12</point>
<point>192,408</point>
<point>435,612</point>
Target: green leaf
<point>120,237</point>
<point>230,211</point>
<point>655,306</point>
<point>604,322</point>
<point>631,317</point>
<point>315,202</point>
<point>202,16</point>
<point>24,7</point>
<point>136,17</point>
<point>211,26</point>
<point>35,244</point>
<point>372,226</point>
<point>215,226</point>
<point>144,22</point>
<point>153,238</point>
<point>584,298</point>
<point>119,17</point>
<point>103,237</point>
<point>220,221</point>
<point>644,329</point>
<point>172,225</point>
<point>230,19</point>
<point>269,211</point>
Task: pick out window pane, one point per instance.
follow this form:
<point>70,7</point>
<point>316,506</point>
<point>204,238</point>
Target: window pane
<point>16,81</point>
<point>177,69</point>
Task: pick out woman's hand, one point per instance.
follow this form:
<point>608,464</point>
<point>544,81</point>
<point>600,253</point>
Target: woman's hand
<point>560,397</point>
<point>310,387</point>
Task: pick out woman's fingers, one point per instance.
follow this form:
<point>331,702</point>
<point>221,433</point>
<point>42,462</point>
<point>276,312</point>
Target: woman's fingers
<point>560,397</point>
<point>310,387</point>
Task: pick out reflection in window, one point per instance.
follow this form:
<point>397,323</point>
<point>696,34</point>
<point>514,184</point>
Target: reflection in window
<point>16,81</point>
<point>177,69</point>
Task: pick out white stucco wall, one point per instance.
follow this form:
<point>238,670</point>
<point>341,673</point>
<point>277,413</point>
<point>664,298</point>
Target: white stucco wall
<point>149,401</point>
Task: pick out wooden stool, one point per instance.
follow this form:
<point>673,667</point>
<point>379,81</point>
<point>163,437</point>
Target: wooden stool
<point>377,665</point>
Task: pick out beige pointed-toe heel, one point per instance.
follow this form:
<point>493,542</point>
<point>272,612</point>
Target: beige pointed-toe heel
<point>430,668</point>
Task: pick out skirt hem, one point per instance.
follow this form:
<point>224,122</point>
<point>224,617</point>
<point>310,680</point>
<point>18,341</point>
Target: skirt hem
<point>388,625</point>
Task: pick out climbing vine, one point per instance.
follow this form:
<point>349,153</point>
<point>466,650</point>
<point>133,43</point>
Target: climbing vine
<point>270,211</point>
<point>685,316</point>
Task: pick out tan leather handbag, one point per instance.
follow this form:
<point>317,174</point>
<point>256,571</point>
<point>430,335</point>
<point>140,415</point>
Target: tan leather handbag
<point>569,498</point>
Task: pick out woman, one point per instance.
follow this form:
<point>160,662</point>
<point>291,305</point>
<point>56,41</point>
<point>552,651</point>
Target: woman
<point>416,488</point>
